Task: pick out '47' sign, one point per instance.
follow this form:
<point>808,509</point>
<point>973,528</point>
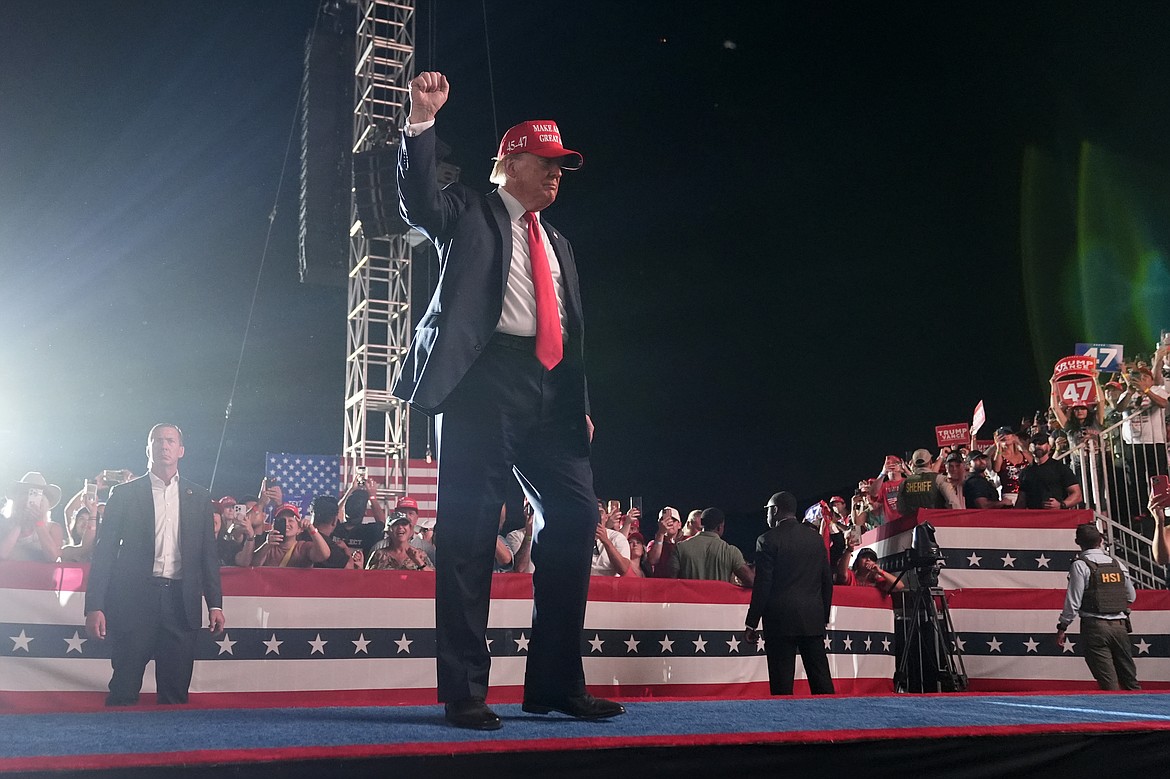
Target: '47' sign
<point>1108,356</point>
<point>1076,392</point>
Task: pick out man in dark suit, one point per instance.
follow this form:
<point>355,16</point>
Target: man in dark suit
<point>793,593</point>
<point>498,359</point>
<point>154,561</point>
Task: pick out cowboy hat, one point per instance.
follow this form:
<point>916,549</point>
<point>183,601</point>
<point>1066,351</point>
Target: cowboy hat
<point>34,480</point>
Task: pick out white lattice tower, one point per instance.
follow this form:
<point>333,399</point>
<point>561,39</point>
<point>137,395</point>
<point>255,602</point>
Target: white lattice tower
<point>378,324</point>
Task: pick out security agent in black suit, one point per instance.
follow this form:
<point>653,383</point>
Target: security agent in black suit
<point>500,412</point>
<point>793,593</point>
<point>154,561</point>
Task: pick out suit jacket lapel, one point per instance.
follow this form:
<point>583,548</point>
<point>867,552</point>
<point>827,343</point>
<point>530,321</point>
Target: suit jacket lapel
<point>188,523</point>
<point>568,274</point>
<point>146,496</point>
<point>504,226</point>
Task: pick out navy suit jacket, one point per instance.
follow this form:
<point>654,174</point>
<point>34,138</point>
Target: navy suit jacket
<point>123,558</point>
<point>793,590</point>
<point>474,239</point>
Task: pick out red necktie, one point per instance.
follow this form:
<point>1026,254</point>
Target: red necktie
<point>549,348</point>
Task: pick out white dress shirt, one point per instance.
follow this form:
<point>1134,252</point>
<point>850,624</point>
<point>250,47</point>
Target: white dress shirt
<point>168,560</point>
<point>518,316</point>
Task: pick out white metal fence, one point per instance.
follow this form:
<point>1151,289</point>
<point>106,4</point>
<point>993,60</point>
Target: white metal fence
<point>1115,480</point>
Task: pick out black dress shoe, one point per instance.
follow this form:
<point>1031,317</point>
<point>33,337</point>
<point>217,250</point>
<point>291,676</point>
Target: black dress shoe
<point>583,706</point>
<point>473,714</point>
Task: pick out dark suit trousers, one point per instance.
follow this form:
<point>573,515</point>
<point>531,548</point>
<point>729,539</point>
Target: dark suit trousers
<point>510,418</point>
<point>781,652</point>
<point>157,630</point>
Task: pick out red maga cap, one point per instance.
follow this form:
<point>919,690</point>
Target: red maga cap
<point>407,502</point>
<point>541,137</point>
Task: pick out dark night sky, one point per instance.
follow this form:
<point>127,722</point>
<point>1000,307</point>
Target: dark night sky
<point>798,229</point>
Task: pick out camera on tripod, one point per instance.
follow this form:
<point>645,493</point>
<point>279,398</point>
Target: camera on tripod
<point>930,659</point>
<point>924,557</point>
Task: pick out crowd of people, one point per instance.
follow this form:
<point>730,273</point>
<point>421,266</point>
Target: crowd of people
<point>1025,467</point>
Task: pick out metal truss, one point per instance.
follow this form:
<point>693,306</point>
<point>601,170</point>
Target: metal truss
<point>378,322</point>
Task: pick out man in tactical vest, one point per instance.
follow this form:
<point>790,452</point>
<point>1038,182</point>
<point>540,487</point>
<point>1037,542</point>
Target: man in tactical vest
<point>924,488</point>
<point>1101,592</point>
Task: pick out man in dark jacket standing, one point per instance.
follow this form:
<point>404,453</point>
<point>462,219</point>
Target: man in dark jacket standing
<point>498,359</point>
<point>793,593</point>
<point>153,566</point>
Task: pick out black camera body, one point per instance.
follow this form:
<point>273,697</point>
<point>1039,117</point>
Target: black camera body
<point>924,556</point>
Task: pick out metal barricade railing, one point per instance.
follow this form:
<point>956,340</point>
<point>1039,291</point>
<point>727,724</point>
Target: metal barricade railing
<point>1115,481</point>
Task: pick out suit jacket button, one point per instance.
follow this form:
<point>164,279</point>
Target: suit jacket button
<point>478,347</point>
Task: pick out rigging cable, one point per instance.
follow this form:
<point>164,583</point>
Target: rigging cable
<point>491,79</point>
<point>227,413</point>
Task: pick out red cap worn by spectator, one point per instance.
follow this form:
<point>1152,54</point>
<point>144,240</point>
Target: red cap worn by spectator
<point>283,507</point>
<point>407,502</point>
<point>836,499</point>
<point>226,502</point>
<point>541,137</point>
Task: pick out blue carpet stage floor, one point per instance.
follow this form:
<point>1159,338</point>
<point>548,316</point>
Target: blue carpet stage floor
<point>896,735</point>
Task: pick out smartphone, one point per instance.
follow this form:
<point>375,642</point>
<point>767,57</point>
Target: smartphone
<point>361,475</point>
<point>34,498</point>
<point>113,477</point>
<point>241,511</point>
<point>91,490</point>
<point>1159,485</point>
<point>636,503</point>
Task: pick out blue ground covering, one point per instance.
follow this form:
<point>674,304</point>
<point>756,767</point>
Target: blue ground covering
<point>170,730</point>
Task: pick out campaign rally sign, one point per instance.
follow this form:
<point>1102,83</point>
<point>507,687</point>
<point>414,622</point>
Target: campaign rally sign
<point>978,418</point>
<point>1075,381</point>
<point>952,435</point>
<point>1108,357</point>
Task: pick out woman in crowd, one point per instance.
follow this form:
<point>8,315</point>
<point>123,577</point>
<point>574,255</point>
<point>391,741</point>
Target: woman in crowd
<point>637,556</point>
<point>81,533</point>
<point>394,552</point>
<point>27,531</point>
<point>866,572</point>
<point>292,543</point>
<point>1008,458</point>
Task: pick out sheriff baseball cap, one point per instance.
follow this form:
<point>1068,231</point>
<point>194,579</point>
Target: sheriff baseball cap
<point>921,457</point>
<point>541,137</point>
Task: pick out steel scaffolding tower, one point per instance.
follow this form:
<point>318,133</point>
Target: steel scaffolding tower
<point>378,322</point>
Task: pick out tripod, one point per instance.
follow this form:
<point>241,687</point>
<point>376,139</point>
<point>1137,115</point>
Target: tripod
<point>931,660</point>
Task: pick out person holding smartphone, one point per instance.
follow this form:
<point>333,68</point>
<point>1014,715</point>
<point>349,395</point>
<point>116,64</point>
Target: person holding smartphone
<point>29,533</point>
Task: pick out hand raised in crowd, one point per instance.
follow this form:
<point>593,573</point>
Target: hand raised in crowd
<point>664,525</point>
<point>270,495</point>
<point>428,93</point>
